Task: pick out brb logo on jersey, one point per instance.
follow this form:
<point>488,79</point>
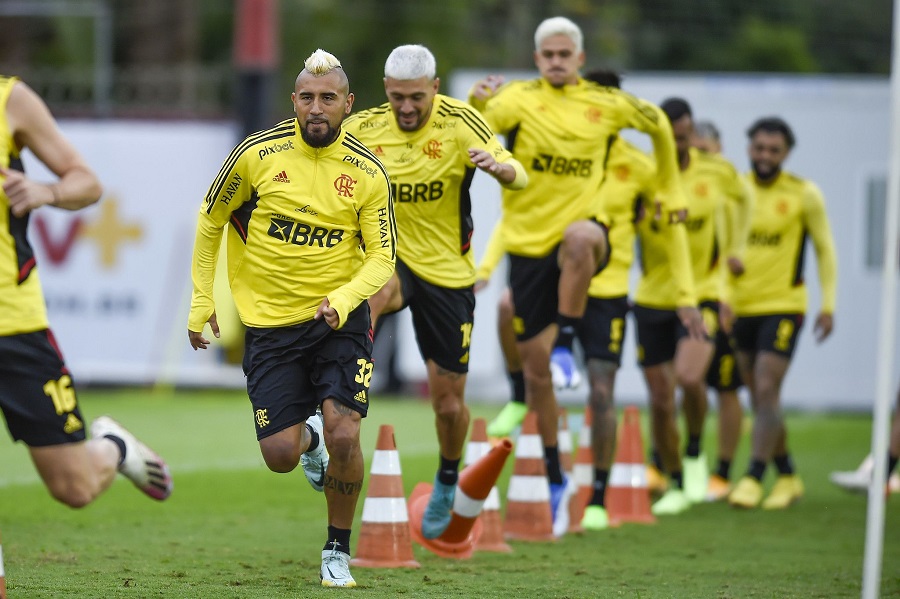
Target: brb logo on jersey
<point>344,185</point>
<point>289,231</point>
<point>432,149</point>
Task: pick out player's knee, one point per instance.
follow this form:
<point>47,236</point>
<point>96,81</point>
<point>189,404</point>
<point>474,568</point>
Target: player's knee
<point>74,494</point>
<point>343,443</point>
<point>280,457</point>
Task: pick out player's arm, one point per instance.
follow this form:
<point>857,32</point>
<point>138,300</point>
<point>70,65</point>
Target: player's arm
<point>491,258</point>
<point>738,211</point>
<point>682,275</point>
<point>816,221</point>
<point>214,215</point>
<point>379,232</point>
<point>33,127</point>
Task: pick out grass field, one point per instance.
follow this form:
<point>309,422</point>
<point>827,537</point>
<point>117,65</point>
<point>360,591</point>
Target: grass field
<point>234,529</point>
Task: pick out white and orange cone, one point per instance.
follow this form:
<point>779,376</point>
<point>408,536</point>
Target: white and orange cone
<point>568,467</point>
<point>628,496</point>
<point>384,540</point>
<point>583,469</point>
<point>528,514</point>
<point>491,538</point>
<point>474,485</point>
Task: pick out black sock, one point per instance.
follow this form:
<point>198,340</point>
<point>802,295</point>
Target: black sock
<point>693,447</point>
<point>448,473</point>
<point>757,469</point>
<point>566,334</point>
<point>724,469</point>
<point>313,438</point>
<point>784,464</point>
<point>551,459</point>
<point>892,463</point>
<point>121,445</point>
<point>601,477</point>
<point>338,538</point>
<point>518,384</point>
<point>678,479</point>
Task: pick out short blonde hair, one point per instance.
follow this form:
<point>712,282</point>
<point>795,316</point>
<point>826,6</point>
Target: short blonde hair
<point>559,26</point>
<point>410,62</point>
<point>321,63</point>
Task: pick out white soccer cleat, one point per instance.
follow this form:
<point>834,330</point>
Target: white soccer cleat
<point>858,480</point>
<point>563,370</point>
<point>335,571</point>
<point>315,462</point>
<point>142,466</point>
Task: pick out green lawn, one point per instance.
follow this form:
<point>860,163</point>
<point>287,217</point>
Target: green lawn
<point>234,529</point>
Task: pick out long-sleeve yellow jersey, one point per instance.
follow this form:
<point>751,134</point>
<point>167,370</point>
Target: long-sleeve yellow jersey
<point>22,308</point>
<point>785,213</point>
<point>305,224</point>
<point>561,137</point>
<point>431,173</point>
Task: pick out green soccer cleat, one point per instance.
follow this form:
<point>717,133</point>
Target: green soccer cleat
<point>595,518</point>
<point>696,478</point>
<point>673,502</point>
<point>511,416</point>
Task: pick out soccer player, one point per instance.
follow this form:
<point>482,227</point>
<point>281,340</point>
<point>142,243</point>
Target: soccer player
<point>670,354</point>
<point>311,235</point>
<point>723,374</point>
<point>770,301</point>
<point>37,395</point>
<point>432,146</point>
<point>559,127</point>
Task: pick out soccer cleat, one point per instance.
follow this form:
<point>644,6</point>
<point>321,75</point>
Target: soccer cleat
<point>315,462</point>
<point>696,478</point>
<point>656,482</point>
<point>717,489</point>
<point>560,494</point>
<point>746,494</point>
<point>595,518</point>
<point>141,465</point>
<point>438,512</point>
<point>563,370</point>
<point>786,490</point>
<point>673,502</point>
<point>335,570</point>
<point>858,480</point>
<point>511,416</point>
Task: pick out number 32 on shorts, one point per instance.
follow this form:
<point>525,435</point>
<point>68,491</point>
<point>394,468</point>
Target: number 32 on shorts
<point>364,376</point>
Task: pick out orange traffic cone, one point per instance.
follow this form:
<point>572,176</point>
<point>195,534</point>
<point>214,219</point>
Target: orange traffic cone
<point>627,496</point>
<point>491,538</point>
<point>528,515</point>
<point>568,467</point>
<point>472,489</point>
<point>384,540</point>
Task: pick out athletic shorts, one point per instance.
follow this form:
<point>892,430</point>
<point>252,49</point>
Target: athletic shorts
<point>442,318</point>
<point>775,333</point>
<point>723,374</point>
<point>658,334</point>
<point>292,370</point>
<point>535,290</point>
<point>37,396</point>
<point>602,329</point>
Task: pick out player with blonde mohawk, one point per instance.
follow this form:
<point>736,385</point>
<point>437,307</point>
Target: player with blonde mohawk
<point>296,200</point>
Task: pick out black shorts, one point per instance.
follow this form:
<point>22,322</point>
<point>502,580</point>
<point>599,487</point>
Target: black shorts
<point>292,370</point>
<point>723,374</point>
<point>602,329</point>
<point>37,397</point>
<point>775,333</point>
<point>442,318</point>
<point>658,334</point>
<point>534,283</point>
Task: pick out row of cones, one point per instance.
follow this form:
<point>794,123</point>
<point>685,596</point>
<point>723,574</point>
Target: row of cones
<point>389,524</point>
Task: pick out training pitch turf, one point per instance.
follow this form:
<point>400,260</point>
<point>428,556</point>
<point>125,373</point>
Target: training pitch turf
<point>234,529</point>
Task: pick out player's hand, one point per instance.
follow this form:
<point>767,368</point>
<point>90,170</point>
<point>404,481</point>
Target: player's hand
<point>486,87</point>
<point>479,285</point>
<point>328,313</point>
<point>485,161</point>
<point>24,194</point>
<point>196,337</point>
<point>693,321</point>
<point>726,317</point>
<point>735,266</point>
<point>824,326</point>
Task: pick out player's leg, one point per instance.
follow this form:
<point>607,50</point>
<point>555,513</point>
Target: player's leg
<point>515,409</point>
<point>730,423</point>
<point>386,300</point>
<point>692,359</point>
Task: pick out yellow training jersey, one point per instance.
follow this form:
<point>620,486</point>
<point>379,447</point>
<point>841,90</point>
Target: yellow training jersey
<point>305,223</point>
<point>785,213</point>
<point>561,135</point>
<point>430,174</point>
<point>22,308</point>
<point>630,183</point>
